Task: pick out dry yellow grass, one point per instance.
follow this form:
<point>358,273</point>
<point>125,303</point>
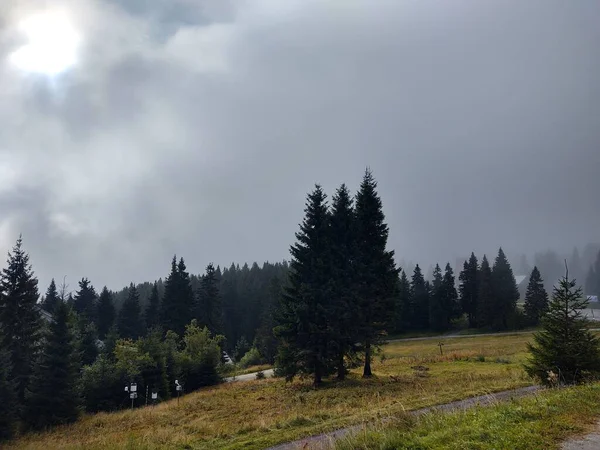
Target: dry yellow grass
<point>257,414</point>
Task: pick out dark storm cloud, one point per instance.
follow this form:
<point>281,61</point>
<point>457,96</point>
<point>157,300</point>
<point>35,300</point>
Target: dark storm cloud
<point>197,128</point>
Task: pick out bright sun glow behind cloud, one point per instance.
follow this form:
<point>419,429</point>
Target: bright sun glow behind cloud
<point>52,44</point>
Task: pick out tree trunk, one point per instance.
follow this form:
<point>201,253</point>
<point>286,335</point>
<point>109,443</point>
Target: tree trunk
<point>341,369</point>
<point>367,371</point>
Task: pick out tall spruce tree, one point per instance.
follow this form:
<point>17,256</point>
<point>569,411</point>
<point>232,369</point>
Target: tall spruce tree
<point>437,313</point>
<point>153,308</point>
<point>343,300</point>
<point>505,292</point>
<point>376,271</point>
<point>404,312</point>
<point>444,299</point>
<point>178,302</point>
<point>51,298</point>
<point>8,405</point>
<point>304,315</point>
<point>469,289</point>
<point>536,298</point>
<point>87,346</point>
<point>209,312</point>
<point>53,398</point>
<point>20,321</point>
<point>106,313</point>
<point>129,322</point>
<point>420,297</point>
<point>565,347</point>
<point>485,306</point>
<point>84,302</point>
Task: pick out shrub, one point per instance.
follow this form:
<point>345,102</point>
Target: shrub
<point>260,375</point>
<point>251,358</point>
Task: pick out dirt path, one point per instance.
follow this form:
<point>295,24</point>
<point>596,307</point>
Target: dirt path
<point>588,442</point>
<point>323,441</point>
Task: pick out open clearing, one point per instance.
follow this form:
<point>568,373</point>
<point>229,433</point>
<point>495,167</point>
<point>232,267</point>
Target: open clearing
<point>259,414</point>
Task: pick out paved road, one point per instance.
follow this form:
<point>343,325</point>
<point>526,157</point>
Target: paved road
<point>324,441</point>
<point>249,376</point>
<point>589,442</point>
<point>453,336</point>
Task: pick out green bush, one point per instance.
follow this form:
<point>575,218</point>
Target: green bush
<point>251,358</point>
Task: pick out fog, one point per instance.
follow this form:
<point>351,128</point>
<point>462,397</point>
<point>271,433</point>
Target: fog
<point>198,127</point>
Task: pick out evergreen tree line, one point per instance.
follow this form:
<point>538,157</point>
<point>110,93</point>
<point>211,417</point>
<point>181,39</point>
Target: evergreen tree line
<point>486,296</point>
<point>237,302</point>
<point>52,369</point>
<point>592,282</point>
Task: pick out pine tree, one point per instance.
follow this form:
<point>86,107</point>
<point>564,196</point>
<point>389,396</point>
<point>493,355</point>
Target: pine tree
<point>241,348</point>
<point>304,314</point>
<point>437,313</point>
<point>20,321</point>
<point>444,299</point>
<point>84,302</point>
<point>565,347</point>
<point>87,343</point>
<point>209,312</point>
<point>405,309</point>
<point>536,298</point>
<point>51,298</point>
<point>376,271</point>
<point>265,341</point>
<point>153,308</point>
<point>420,297</point>
<point>505,292</point>
<point>485,307</point>
<point>110,343</point>
<point>106,313</point>
<point>343,300</point>
<point>129,321</point>
<point>53,397</point>
<point>469,289</point>
<point>178,301</point>
<point>8,405</point>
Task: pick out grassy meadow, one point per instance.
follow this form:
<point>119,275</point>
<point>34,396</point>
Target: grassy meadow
<point>541,421</point>
<point>257,414</point>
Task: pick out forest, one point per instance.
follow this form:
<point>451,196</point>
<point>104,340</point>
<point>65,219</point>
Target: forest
<point>325,311</point>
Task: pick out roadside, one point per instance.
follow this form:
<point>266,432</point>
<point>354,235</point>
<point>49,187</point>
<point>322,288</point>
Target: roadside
<point>323,441</point>
<point>249,376</point>
<point>588,442</point>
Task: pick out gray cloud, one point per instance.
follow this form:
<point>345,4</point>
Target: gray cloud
<point>198,128</point>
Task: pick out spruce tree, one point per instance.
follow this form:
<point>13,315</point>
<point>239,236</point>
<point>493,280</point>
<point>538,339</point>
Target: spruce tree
<point>469,289</point>
<point>153,308</point>
<point>536,298</point>
<point>304,315</point>
<point>444,299</point>
<point>87,343</point>
<point>405,309</point>
<point>8,405</point>
<point>178,302</point>
<point>84,302</point>
<point>129,321</point>
<point>106,313</point>
<point>420,297</point>
<point>376,272</point>
<point>343,300</point>
<point>437,313</point>
<point>209,309</point>
<point>53,398</point>
<point>20,321</point>
<point>505,292</point>
<point>51,298</point>
<point>485,306</point>
<point>565,348</point>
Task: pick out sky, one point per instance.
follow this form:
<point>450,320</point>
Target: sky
<point>197,127</point>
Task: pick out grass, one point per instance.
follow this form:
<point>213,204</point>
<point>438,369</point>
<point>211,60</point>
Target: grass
<point>539,422</point>
<point>257,414</point>
<point>251,369</point>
